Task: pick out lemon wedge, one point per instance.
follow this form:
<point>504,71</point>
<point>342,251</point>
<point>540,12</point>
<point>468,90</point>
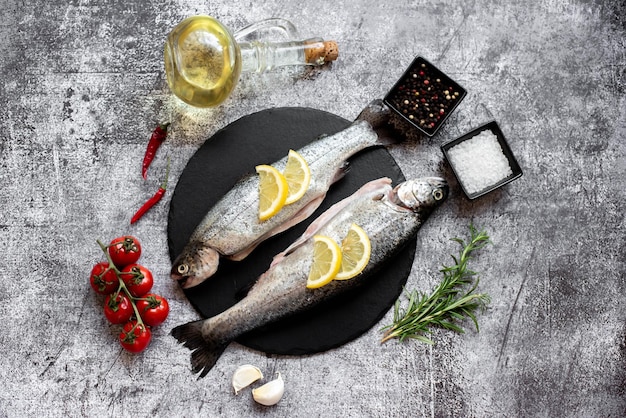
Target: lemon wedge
<point>326,261</point>
<point>356,250</point>
<point>273,190</point>
<point>298,176</point>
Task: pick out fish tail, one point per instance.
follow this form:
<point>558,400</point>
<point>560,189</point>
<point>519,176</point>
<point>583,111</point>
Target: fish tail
<point>381,117</point>
<point>205,352</point>
<point>376,113</point>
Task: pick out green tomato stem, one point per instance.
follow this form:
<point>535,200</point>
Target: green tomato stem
<point>122,285</point>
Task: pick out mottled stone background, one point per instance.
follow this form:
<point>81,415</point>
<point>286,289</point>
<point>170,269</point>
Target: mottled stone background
<point>83,86</point>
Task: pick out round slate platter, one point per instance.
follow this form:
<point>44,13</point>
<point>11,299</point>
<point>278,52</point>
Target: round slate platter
<point>262,138</point>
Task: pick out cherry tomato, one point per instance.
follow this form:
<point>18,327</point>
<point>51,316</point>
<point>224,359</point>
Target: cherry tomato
<point>124,250</point>
<point>153,309</point>
<point>138,279</point>
<point>103,280</point>
<point>135,337</point>
<point>118,308</point>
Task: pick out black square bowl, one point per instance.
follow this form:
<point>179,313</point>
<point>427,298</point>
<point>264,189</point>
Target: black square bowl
<point>493,127</point>
<point>424,96</point>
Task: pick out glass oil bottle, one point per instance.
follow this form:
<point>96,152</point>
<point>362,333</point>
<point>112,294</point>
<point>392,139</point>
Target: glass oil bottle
<point>203,60</point>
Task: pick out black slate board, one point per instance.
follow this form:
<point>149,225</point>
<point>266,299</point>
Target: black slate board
<point>262,138</point>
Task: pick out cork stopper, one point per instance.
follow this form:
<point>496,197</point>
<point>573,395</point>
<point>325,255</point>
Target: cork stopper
<point>321,52</point>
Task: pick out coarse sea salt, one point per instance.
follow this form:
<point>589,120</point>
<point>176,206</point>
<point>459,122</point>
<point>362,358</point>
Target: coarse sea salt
<point>479,162</point>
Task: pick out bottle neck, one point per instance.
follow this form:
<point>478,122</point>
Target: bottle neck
<point>261,56</point>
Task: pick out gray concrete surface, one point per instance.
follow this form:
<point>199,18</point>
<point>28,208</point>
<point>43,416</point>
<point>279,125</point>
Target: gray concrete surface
<point>83,85</point>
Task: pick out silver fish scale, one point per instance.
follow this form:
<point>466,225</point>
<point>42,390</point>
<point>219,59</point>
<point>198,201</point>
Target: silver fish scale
<point>281,291</point>
<point>230,231</point>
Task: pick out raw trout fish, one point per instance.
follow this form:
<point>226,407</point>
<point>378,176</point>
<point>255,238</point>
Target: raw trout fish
<point>389,216</point>
<point>232,229</point>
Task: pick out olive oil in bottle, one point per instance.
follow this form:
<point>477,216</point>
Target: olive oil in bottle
<point>202,61</point>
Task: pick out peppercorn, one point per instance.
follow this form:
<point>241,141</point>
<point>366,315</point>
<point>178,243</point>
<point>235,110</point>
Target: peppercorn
<point>425,95</point>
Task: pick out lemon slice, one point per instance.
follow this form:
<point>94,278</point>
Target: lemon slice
<point>326,261</point>
<point>298,176</point>
<point>356,250</point>
<point>273,191</point>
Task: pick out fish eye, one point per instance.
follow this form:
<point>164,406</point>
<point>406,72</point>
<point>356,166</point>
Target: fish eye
<point>437,194</point>
<point>183,269</point>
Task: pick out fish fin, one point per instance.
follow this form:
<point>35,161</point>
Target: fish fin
<point>204,353</point>
<point>341,172</point>
<point>247,251</point>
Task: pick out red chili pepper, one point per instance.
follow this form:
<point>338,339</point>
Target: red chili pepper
<point>154,199</point>
<point>156,139</point>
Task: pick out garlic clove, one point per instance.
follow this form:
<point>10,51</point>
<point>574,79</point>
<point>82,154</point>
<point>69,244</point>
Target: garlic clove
<point>244,376</point>
<point>270,393</point>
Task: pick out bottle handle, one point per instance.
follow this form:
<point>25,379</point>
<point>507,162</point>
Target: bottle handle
<point>283,25</point>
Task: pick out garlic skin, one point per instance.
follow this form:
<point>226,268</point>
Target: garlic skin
<point>270,393</point>
<point>244,376</point>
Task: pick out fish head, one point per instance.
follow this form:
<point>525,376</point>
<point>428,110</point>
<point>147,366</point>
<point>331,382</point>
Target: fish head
<point>196,264</point>
<point>420,195</point>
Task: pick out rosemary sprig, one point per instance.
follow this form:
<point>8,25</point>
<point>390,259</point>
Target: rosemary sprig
<point>448,302</point>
